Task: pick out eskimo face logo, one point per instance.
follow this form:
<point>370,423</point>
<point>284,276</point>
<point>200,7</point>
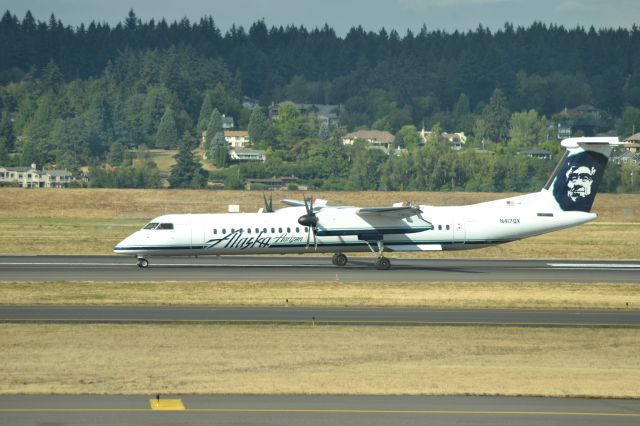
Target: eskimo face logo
<point>579,181</point>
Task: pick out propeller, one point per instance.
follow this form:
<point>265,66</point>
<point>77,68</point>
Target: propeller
<point>268,205</point>
<point>310,220</point>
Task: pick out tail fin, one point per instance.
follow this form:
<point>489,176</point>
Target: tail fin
<point>576,179</point>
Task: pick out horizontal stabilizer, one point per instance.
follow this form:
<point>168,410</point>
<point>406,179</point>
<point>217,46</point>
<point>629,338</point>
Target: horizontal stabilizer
<point>587,143</point>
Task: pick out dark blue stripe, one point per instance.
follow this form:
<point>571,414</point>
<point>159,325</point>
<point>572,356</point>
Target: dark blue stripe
<point>299,245</point>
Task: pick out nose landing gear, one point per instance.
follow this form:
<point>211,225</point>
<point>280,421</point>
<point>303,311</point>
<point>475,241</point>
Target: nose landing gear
<point>142,262</point>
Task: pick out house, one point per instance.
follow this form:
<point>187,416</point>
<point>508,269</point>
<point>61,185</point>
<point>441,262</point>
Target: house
<point>273,183</point>
<point>633,143</point>
<point>31,177</point>
<point>564,131</point>
<point>237,138</point>
<point>536,153</point>
<point>249,103</point>
<point>227,122</point>
<point>585,111</point>
<point>244,154</point>
<point>328,114</point>
<point>625,157</point>
<point>584,118</point>
<point>456,139</point>
<point>376,139</point>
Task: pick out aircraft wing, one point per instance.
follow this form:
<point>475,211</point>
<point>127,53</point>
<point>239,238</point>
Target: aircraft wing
<point>293,203</point>
<point>392,212</point>
<point>317,203</point>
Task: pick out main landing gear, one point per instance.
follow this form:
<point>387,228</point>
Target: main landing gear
<point>142,262</point>
<point>339,259</point>
<point>382,263</point>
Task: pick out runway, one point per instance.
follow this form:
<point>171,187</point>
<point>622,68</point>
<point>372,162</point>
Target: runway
<point>322,316</point>
<point>23,410</point>
<point>306,268</point>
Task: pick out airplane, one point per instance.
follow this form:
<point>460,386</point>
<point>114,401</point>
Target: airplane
<point>564,201</point>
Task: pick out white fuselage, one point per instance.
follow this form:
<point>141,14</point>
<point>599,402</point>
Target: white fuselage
<point>454,228</point>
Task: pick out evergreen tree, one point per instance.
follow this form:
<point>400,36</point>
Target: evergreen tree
<point>496,116</point>
<point>167,134</point>
<point>4,154</point>
<point>6,131</point>
<point>187,172</point>
<point>219,152</point>
<point>205,114</point>
<point>462,117</point>
<point>629,123</point>
<point>213,127</point>
<point>116,154</point>
<point>258,127</point>
<point>323,131</point>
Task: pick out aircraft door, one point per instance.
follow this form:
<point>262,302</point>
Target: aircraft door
<point>197,235</point>
<point>459,231</point>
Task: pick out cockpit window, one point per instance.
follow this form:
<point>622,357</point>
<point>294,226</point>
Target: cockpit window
<point>151,225</point>
<point>166,226</point>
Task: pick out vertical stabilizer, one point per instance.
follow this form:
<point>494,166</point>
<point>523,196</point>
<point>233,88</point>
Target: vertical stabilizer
<point>576,179</point>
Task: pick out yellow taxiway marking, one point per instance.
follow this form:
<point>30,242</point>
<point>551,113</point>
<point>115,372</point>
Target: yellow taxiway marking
<point>167,404</point>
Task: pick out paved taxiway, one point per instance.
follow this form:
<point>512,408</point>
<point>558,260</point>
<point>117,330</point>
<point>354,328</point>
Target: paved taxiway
<point>317,410</point>
<point>292,267</point>
<point>344,316</point>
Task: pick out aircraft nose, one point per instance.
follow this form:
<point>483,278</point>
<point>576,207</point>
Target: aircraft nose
<point>124,245</point>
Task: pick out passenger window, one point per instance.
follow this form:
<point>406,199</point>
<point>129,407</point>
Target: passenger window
<point>257,230</point>
<point>279,229</point>
<point>447,227</point>
<point>306,229</point>
<point>439,227</point>
<point>288,230</point>
<point>232,230</point>
<point>297,229</point>
<point>273,230</point>
<point>248,230</point>
<point>224,231</point>
<point>215,232</point>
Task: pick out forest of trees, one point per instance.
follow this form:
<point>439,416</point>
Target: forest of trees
<point>98,95</point>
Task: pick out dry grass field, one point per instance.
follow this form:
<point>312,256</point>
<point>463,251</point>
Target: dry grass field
<point>264,359</point>
<point>42,221</point>
<point>326,294</point>
<point>231,359</point>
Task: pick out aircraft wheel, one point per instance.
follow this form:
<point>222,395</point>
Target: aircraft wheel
<point>339,259</point>
<point>142,262</point>
<point>383,263</point>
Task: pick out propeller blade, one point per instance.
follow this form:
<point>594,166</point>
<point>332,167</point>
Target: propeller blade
<point>306,205</point>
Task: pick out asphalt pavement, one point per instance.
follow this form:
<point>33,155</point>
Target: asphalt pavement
<point>21,410</point>
<point>319,316</point>
<point>306,268</point>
